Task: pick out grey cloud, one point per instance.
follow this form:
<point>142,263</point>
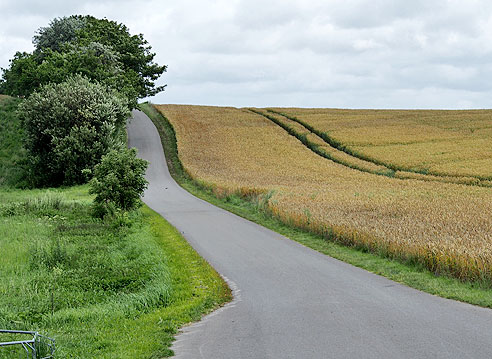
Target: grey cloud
<point>52,8</point>
<point>38,8</point>
<point>376,13</point>
<point>261,15</point>
<point>336,53</point>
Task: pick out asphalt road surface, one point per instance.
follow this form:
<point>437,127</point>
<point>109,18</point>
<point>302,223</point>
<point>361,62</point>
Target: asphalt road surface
<point>293,302</point>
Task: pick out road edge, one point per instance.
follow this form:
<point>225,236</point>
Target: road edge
<point>409,274</point>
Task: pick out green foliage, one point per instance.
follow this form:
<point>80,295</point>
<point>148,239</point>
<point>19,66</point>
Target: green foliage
<point>59,32</point>
<point>21,78</point>
<point>95,61</point>
<point>102,63</point>
<point>135,53</point>
<point>63,266</point>
<point>100,49</point>
<point>12,154</point>
<point>69,127</point>
<point>101,291</point>
<point>119,181</point>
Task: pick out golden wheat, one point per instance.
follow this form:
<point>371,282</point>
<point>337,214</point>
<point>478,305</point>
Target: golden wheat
<point>446,227</point>
<point>322,146</point>
<point>454,143</point>
<point>327,150</point>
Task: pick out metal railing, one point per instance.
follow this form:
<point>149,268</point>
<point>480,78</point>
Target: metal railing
<point>37,347</point>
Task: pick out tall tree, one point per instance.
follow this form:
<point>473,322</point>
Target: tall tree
<point>100,49</point>
<point>135,52</point>
<point>59,32</point>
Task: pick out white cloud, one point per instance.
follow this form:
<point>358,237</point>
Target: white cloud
<point>348,53</point>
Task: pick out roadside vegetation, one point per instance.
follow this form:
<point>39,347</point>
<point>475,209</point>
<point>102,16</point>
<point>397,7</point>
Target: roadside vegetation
<point>87,264</point>
<point>100,49</point>
<point>409,231</point>
<point>12,152</point>
<point>116,288</point>
<point>80,82</point>
<point>68,127</point>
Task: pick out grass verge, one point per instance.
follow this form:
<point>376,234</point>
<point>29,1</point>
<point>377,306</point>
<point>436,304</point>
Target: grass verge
<point>411,274</point>
<point>117,288</point>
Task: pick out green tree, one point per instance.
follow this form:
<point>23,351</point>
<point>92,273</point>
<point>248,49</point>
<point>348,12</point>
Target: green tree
<point>59,32</point>
<point>119,180</point>
<point>69,127</point>
<point>95,61</point>
<point>21,78</point>
<point>100,49</point>
<point>135,52</point>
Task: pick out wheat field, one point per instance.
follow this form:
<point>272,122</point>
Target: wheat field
<point>445,227</point>
<point>440,142</point>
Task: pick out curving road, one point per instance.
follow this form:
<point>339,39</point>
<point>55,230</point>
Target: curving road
<point>293,302</point>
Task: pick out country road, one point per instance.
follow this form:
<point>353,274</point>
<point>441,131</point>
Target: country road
<point>293,302</point>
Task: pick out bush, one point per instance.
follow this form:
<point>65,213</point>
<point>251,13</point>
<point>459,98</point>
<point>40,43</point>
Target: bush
<point>69,127</point>
<point>118,182</point>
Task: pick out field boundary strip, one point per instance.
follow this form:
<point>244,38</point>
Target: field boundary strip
<point>357,161</point>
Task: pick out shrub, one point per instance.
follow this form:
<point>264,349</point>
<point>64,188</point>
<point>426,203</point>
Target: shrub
<point>69,127</point>
<point>118,181</point>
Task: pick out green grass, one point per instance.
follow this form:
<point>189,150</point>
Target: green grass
<point>119,288</point>
<point>407,273</point>
<point>107,289</point>
<point>12,154</point>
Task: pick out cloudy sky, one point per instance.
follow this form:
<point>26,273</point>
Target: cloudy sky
<point>306,53</point>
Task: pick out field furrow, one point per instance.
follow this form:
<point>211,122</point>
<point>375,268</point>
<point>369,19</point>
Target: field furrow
<point>319,146</point>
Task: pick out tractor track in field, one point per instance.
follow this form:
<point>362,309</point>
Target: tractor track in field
<point>338,153</point>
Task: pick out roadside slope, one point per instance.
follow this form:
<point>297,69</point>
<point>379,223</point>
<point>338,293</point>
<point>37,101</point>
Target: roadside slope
<point>297,303</point>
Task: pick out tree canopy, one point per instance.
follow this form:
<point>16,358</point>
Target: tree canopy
<point>59,32</point>
<point>101,49</point>
<point>69,127</point>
